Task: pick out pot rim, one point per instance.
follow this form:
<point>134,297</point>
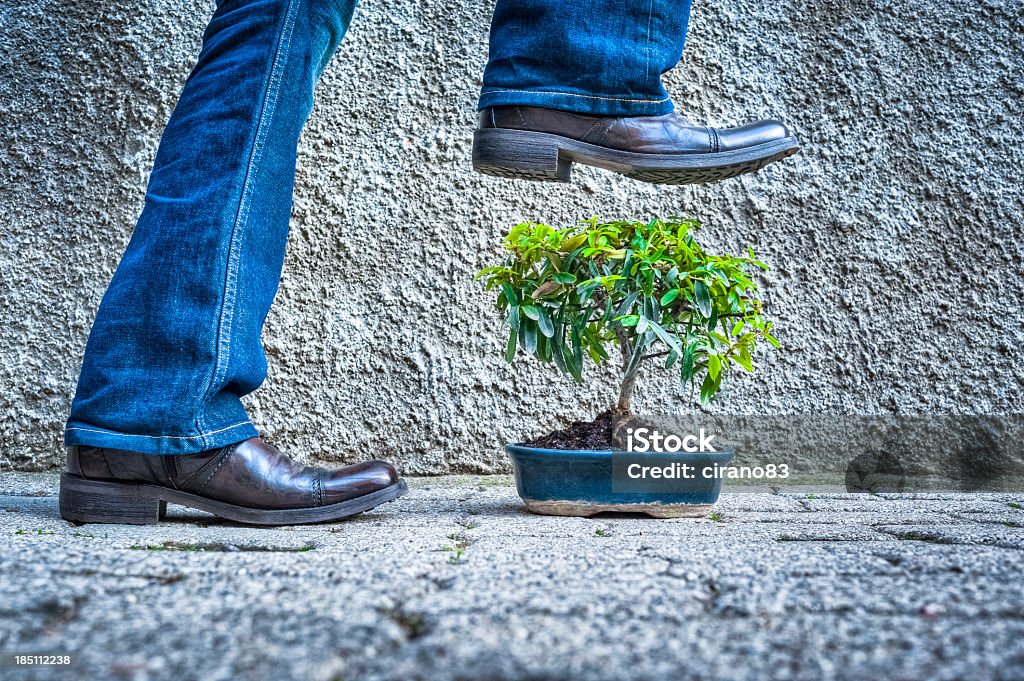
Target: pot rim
<point>516,448</point>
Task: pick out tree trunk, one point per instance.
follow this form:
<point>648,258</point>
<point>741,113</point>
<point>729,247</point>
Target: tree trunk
<point>628,384</point>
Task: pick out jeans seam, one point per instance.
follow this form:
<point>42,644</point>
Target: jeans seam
<point>573,94</point>
<point>227,311</point>
<point>647,46</point>
<point>161,437</point>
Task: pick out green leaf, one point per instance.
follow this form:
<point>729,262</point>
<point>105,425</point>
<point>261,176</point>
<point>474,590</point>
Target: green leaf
<point>543,349</point>
<point>743,358</point>
<point>639,348</point>
<point>606,316</point>
<point>651,308</point>
<point>577,346</point>
<point>572,243</point>
<point>664,337</point>
<point>669,297</point>
<point>513,318</point>
<point>510,295</point>
<point>627,303</point>
<point>738,328</point>
<point>703,297</point>
<point>686,371</point>
<point>575,368</point>
<point>544,324</point>
<point>510,349</point>
<point>573,364</point>
<point>708,389</point>
<point>565,278</point>
<point>627,264</point>
<point>528,336</point>
<point>771,339</point>
<point>714,366</point>
<point>558,354</point>
<point>718,337</point>
<point>530,311</point>
<point>641,325</point>
<point>629,320</point>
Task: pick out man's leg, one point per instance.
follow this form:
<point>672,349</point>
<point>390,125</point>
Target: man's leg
<point>176,341</point>
<point>581,82</point>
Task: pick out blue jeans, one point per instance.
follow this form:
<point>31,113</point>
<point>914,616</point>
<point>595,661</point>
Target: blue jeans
<point>176,341</point>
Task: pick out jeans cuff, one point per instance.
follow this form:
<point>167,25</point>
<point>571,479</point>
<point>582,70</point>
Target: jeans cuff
<point>91,436</point>
<point>600,105</point>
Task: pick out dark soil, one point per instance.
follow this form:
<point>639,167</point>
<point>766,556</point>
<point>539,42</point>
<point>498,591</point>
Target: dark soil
<point>597,434</point>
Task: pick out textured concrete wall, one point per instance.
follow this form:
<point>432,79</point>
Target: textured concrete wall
<point>895,236</point>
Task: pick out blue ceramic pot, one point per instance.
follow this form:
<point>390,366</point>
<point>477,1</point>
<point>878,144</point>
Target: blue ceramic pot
<point>580,483</point>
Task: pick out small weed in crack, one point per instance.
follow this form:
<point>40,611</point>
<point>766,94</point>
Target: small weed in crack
<point>1015,506</point>
<point>461,542</point>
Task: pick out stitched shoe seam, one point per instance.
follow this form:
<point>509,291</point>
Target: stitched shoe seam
<point>223,458</point>
<point>607,130</point>
<point>192,476</point>
<point>171,470</point>
<point>598,122</point>
<point>522,119</point>
<point>318,490</point>
<point>106,464</point>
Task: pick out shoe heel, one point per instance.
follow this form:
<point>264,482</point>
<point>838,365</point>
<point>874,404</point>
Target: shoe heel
<point>518,154</point>
<point>89,501</point>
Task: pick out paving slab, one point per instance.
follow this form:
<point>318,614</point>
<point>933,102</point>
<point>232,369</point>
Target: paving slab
<point>456,581</point>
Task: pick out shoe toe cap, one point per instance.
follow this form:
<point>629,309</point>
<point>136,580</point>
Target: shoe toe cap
<point>772,129</point>
<point>381,473</point>
<point>358,479</point>
<point>753,134</point>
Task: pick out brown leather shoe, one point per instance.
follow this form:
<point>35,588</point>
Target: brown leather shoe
<point>532,143</point>
<point>249,482</point>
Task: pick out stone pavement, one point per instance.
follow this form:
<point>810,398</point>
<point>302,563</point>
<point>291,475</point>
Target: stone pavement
<point>456,581</point>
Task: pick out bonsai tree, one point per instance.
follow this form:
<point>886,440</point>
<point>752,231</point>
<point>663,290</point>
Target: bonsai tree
<point>647,287</point>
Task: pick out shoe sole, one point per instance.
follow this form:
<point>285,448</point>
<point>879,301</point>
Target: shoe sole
<point>525,155</point>
<point>91,501</point>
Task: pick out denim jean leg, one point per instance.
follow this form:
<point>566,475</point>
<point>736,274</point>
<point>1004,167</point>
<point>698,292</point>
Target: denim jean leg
<point>602,57</point>
<point>176,340</point>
